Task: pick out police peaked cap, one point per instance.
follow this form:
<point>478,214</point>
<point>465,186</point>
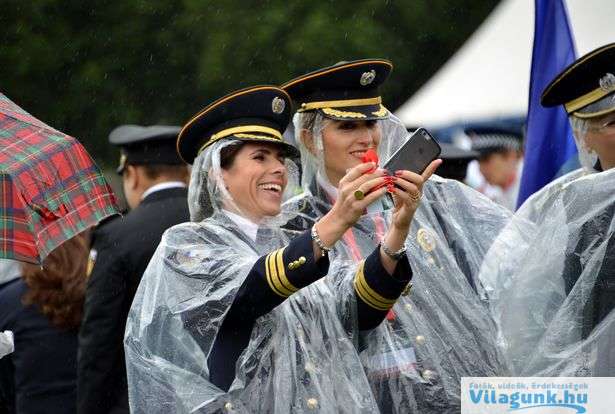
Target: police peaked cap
<point>145,145</point>
<point>346,91</point>
<point>586,88</point>
<point>486,140</point>
<point>259,113</point>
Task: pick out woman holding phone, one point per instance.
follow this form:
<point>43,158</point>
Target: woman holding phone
<point>233,315</point>
<point>440,330</point>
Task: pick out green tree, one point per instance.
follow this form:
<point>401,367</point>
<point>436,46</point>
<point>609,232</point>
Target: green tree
<point>86,66</point>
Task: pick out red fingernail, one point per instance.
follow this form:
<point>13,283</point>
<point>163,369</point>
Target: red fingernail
<point>398,173</point>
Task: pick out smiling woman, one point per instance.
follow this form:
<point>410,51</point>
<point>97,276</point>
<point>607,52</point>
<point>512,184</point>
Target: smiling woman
<point>231,309</point>
<point>255,174</point>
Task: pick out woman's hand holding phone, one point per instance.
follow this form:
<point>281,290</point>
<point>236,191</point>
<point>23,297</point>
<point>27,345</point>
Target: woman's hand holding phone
<point>407,193</point>
<point>348,208</point>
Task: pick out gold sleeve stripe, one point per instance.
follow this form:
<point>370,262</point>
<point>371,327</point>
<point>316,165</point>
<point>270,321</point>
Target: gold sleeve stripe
<point>270,269</point>
<point>282,273</point>
<point>371,291</point>
<point>276,275</point>
<point>369,295</point>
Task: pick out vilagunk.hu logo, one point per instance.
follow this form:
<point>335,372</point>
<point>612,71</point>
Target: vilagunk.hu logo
<point>536,395</point>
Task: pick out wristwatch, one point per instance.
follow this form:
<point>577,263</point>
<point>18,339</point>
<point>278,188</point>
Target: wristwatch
<point>393,255</point>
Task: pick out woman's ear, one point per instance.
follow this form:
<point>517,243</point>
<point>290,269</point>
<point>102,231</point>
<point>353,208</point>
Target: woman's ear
<point>307,138</point>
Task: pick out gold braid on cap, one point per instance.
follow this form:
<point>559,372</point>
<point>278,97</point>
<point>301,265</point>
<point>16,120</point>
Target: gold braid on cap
<point>586,99</point>
<point>381,112</point>
<point>307,106</point>
<point>342,114</point>
<point>273,134</point>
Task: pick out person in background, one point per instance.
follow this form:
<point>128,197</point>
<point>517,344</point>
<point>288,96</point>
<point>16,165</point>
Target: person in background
<point>455,162</point>
<point>497,172</point>
<point>154,180</point>
<point>550,277</point>
<point>43,309</point>
<point>9,270</point>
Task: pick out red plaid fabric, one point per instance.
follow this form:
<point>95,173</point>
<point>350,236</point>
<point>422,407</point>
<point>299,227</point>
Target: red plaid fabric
<point>50,188</point>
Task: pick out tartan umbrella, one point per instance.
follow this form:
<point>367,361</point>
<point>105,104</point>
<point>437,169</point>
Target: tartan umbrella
<point>50,188</point>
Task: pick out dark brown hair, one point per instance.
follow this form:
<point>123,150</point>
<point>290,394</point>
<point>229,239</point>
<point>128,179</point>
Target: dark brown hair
<point>154,171</point>
<point>228,154</point>
<point>58,288</point>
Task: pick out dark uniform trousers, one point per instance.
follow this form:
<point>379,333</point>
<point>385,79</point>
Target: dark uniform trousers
<point>281,273</point>
<point>124,247</point>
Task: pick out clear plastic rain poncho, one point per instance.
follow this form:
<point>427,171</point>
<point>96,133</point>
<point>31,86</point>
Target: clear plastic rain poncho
<point>550,275</point>
<point>441,330</point>
<point>300,357</point>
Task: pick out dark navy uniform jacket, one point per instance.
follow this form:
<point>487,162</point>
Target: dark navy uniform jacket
<point>279,274</point>
<point>123,248</point>
<point>40,376</point>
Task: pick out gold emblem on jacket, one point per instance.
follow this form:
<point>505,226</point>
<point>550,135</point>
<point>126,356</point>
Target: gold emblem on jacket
<point>426,240</point>
<point>297,263</point>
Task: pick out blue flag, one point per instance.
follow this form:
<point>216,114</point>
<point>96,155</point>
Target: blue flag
<point>549,148</point>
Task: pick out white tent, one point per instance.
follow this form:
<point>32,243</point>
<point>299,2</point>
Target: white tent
<point>489,75</point>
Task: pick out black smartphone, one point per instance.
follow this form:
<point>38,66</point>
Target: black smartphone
<point>419,150</point>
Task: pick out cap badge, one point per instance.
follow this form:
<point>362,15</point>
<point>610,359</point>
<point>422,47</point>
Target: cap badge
<point>426,240</point>
<point>607,82</point>
<point>368,77</point>
<point>278,105</point>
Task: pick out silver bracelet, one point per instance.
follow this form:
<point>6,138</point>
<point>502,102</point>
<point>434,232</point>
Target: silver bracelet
<point>325,250</point>
<point>393,255</point>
